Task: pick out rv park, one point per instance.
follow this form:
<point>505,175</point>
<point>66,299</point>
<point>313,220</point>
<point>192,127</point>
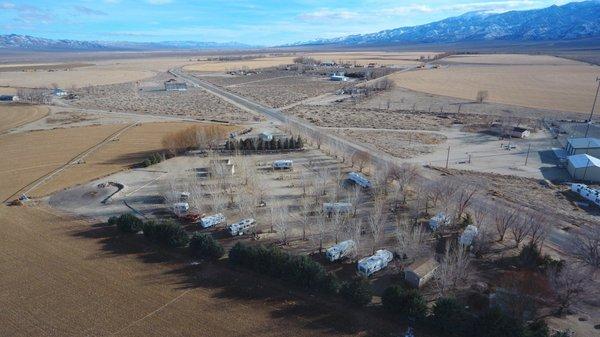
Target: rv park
<point>419,174</point>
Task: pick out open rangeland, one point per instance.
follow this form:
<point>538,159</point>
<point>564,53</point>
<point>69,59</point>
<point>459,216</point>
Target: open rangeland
<point>64,277</point>
<point>542,82</point>
<point>12,116</point>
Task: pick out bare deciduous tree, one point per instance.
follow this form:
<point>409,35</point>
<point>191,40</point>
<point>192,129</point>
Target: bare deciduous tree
<point>320,228</point>
<point>503,220</point>
<point>411,241</point>
<point>376,221</point>
<point>585,247</point>
<point>482,96</point>
<point>454,270</point>
<point>361,159</point>
<point>520,227</point>
<point>569,284</point>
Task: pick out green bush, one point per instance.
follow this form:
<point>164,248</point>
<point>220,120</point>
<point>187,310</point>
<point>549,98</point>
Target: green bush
<point>406,302</point>
<point>127,223</point>
<point>299,270</point>
<point>357,291</point>
<point>204,245</point>
<point>451,318</point>
<point>494,323</point>
<point>154,158</point>
<point>166,233</point>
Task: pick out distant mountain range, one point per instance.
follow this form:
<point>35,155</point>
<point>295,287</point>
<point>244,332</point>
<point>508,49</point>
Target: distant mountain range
<point>26,42</point>
<point>574,20</point>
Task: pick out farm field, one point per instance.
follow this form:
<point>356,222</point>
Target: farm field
<point>544,82</point>
<point>12,116</point>
<point>64,277</point>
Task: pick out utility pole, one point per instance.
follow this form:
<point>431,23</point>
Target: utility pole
<point>527,157</point>
<point>593,106</point>
<point>448,157</point>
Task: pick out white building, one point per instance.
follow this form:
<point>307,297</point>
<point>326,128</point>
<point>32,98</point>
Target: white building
<point>338,77</point>
<point>584,167</point>
<point>372,264</point>
<point>587,193</point>
<point>359,179</point>
<point>588,145</point>
<point>340,250</point>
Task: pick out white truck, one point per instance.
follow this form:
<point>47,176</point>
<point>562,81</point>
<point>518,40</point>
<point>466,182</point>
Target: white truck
<point>342,207</point>
<point>468,235</point>
<point>340,250</point>
<point>359,180</point>
<point>439,220</point>
<point>241,227</point>
<point>283,164</point>
<point>372,264</point>
<point>212,220</point>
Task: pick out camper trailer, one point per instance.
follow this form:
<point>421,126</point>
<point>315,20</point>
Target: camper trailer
<point>241,227</point>
<point>439,220</point>
<point>359,180</point>
<point>181,208</point>
<point>283,165</point>
<point>587,193</point>
<point>342,207</point>
<point>340,250</point>
<point>468,235</point>
<point>212,220</point>
<point>372,264</point>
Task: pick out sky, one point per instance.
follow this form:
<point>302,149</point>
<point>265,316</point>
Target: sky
<point>254,22</point>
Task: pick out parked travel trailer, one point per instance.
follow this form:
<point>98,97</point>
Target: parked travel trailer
<point>439,220</point>
<point>359,179</point>
<point>587,193</point>
<point>184,196</point>
<point>340,250</point>
<point>342,207</point>
<point>212,220</point>
<point>283,164</point>
<point>241,227</point>
<point>372,264</point>
<point>468,235</point>
<point>181,208</point>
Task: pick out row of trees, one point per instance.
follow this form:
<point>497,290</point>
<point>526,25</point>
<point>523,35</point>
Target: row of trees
<point>254,144</point>
<point>195,137</point>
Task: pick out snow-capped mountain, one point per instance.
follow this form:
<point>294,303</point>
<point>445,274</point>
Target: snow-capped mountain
<point>574,20</point>
<point>14,41</point>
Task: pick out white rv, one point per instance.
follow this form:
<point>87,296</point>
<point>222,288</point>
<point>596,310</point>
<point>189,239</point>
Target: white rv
<point>587,193</point>
<point>468,235</point>
<point>212,220</point>
<point>340,250</point>
<point>241,227</point>
<point>181,208</point>
<point>359,180</point>
<point>283,164</point>
<point>439,220</point>
<point>342,207</point>
<point>369,265</point>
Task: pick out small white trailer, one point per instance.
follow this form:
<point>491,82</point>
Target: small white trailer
<point>241,227</point>
<point>468,235</point>
<point>587,193</point>
<point>359,180</point>
<point>372,264</point>
<point>212,220</point>
<point>342,207</point>
<point>340,250</point>
<point>439,220</point>
<point>283,164</point>
<point>180,208</point>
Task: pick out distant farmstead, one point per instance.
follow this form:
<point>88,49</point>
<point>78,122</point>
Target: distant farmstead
<point>173,85</point>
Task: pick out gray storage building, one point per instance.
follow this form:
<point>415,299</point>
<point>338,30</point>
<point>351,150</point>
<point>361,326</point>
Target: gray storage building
<point>588,145</point>
<point>584,167</point>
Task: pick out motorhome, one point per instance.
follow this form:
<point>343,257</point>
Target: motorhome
<point>241,227</point>
<point>212,220</point>
<point>372,264</point>
<point>340,250</point>
<point>283,164</point>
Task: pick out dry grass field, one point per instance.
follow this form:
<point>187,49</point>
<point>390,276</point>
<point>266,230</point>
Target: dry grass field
<point>12,116</point>
<point>509,59</point>
<point>63,277</point>
<point>542,82</point>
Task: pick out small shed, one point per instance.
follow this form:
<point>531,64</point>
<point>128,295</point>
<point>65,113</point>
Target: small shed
<point>584,167</point>
<point>420,272</point>
<point>173,85</point>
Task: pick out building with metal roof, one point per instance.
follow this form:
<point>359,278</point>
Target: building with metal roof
<point>588,145</point>
<point>584,167</point>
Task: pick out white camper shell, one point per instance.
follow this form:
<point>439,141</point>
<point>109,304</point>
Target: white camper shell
<point>469,234</point>
<point>340,250</point>
<point>212,220</point>
<point>241,227</point>
<point>181,208</point>
<point>283,164</point>
<point>587,193</point>
<point>369,265</point>
<point>342,207</point>
<point>439,220</point>
<point>359,180</point>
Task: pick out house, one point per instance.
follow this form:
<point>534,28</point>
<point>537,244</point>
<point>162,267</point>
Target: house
<point>507,131</point>
<point>173,85</point>
<point>584,167</point>
<point>338,77</point>
<point>340,250</point>
<point>421,271</point>
<point>372,264</point>
<point>265,136</point>
<point>588,145</point>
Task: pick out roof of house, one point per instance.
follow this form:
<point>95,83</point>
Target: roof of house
<point>583,160</point>
<point>423,267</point>
<point>584,143</point>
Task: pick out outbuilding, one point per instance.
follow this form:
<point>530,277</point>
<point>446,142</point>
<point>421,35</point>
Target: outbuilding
<point>421,271</point>
<point>584,167</point>
<point>588,145</point>
<point>173,85</point>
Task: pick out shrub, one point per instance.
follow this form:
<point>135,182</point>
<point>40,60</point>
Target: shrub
<point>494,323</point>
<point>204,245</point>
<point>451,318</point>
<point>127,223</point>
<point>406,302</point>
<point>166,233</point>
<point>357,291</point>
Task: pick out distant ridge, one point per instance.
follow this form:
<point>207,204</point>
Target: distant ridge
<point>575,20</point>
<point>26,42</point>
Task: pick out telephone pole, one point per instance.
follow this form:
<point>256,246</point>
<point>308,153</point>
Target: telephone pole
<point>448,157</point>
<point>593,106</point>
<point>527,157</point>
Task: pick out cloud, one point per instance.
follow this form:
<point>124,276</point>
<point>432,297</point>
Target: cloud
<point>7,5</point>
<point>159,2</point>
<point>28,14</point>
<point>88,11</point>
<point>328,14</point>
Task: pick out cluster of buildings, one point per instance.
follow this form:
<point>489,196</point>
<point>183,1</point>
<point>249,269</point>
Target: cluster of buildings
<point>582,158</point>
